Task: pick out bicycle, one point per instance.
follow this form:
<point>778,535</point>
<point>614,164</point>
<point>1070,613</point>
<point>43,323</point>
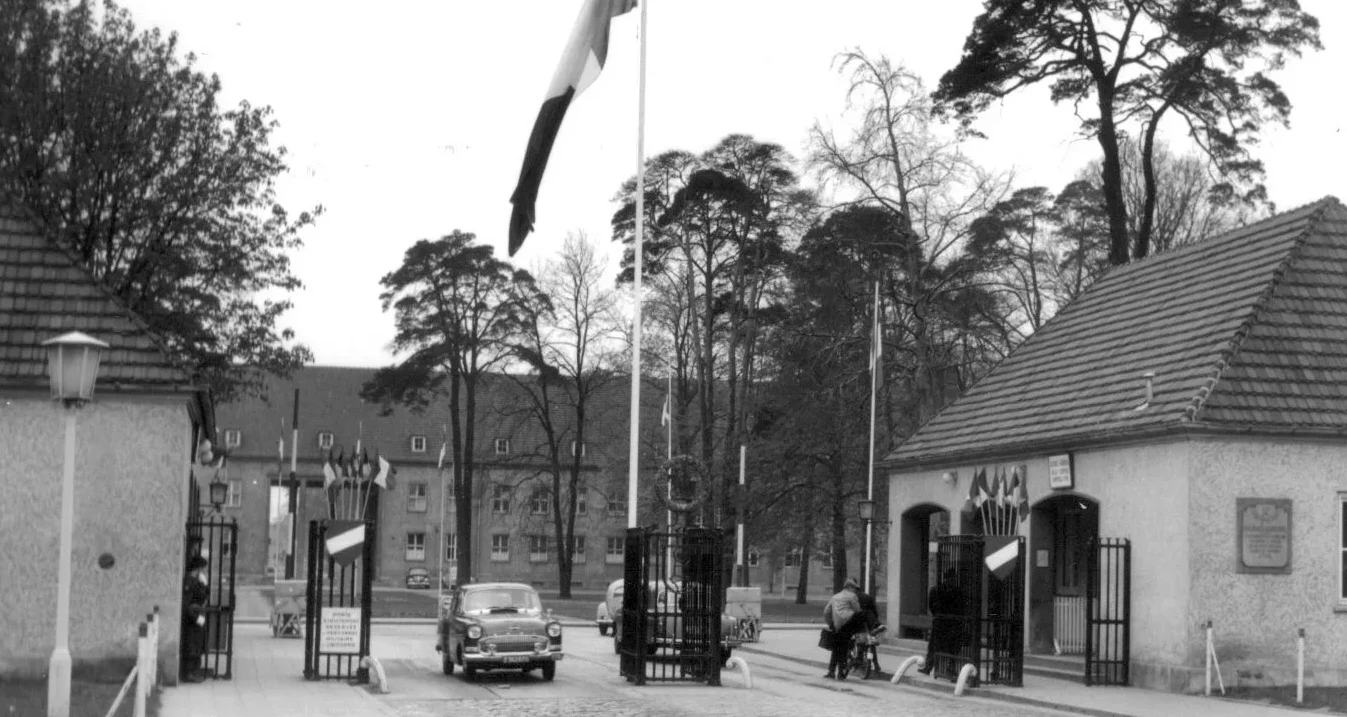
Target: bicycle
<point>861,656</point>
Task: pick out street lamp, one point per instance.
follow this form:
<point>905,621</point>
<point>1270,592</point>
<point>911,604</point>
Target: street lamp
<point>72,367</point>
<point>867,515</point>
<point>219,492</point>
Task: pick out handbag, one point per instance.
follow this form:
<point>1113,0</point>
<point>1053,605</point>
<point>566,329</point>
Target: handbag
<point>825,638</point>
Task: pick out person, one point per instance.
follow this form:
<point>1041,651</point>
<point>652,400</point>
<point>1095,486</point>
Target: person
<point>195,593</point>
<point>840,615</point>
<point>942,602</point>
<point>869,620</point>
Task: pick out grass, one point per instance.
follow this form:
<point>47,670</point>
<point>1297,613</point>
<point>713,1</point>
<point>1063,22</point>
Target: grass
<point>1332,698</point>
<point>87,699</point>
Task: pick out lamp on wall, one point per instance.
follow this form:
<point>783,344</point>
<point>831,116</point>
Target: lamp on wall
<point>219,492</point>
<point>72,368</point>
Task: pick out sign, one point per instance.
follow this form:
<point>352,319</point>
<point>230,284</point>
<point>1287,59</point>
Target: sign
<point>345,540</point>
<point>1263,532</point>
<point>339,631</point>
<point>1002,552</point>
<point>1041,559</point>
<point>1060,475</point>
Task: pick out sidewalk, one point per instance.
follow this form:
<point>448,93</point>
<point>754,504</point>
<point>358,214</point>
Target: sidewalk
<point>799,643</point>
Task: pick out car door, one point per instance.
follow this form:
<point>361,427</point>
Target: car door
<point>455,626</point>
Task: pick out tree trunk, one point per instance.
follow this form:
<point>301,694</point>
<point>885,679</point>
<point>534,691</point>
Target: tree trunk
<point>1148,175</point>
<point>462,483</point>
<point>839,537</point>
<point>1114,203</point>
<point>806,545</point>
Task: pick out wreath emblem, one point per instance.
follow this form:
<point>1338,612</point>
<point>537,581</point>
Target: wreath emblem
<point>688,484</point>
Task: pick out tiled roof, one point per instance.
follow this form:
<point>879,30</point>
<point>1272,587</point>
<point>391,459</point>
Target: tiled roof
<point>329,401</point>
<point>1243,331</point>
<point>44,293</point>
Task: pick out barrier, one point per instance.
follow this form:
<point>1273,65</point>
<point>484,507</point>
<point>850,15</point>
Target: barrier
<point>369,662</point>
<point>742,664</point>
<point>907,665</point>
<point>144,674</point>
<point>968,671</point>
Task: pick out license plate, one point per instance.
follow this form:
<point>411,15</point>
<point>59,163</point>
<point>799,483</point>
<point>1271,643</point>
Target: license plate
<point>516,660</point>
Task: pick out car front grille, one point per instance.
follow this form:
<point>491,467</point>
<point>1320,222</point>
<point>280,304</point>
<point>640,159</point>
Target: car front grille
<point>513,643</point>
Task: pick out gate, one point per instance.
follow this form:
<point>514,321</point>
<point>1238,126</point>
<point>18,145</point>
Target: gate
<point>1108,629</point>
<point>672,601</point>
<point>215,538</point>
<point>977,618</point>
<point>339,593</point>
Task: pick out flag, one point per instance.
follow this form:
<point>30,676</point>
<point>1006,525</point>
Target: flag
<point>977,493</point>
<point>877,344</point>
<point>385,470</point>
<point>1001,552</point>
<point>443,447</point>
<point>344,540</point>
<point>1022,492</point>
<point>664,415</point>
<point>280,448</point>
<point>365,468</point>
<point>581,61</point>
<point>997,487</point>
<point>329,475</point>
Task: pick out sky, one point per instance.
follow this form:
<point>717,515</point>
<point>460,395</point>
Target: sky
<point>408,119</point>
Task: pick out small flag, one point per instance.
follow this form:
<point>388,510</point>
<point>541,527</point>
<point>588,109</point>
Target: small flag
<point>1001,552</point>
<point>329,475</point>
<point>877,344</point>
<point>974,501</point>
<point>443,447</point>
<point>345,539</point>
<point>1022,492</point>
<point>365,469</point>
<point>385,470</point>
<point>665,416</point>
<point>280,448</point>
<point>581,61</point>
<point>998,487</point>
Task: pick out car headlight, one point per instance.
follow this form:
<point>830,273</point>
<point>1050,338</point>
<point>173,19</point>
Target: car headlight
<point>474,632</point>
<point>554,629</point>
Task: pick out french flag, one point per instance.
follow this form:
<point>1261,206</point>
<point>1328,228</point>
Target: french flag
<point>581,62</point>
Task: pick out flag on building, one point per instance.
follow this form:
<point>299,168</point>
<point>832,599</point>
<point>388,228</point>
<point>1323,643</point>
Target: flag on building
<point>443,447</point>
<point>385,472</point>
<point>581,61</point>
<point>1002,551</point>
<point>344,540</point>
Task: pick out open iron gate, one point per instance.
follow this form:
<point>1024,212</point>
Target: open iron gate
<point>214,538</point>
<point>1108,624</point>
<point>672,600</point>
<point>339,594</point>
<point>978,618</point>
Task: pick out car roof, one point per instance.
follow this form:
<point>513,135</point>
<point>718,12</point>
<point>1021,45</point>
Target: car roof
<point>418,570</point>
<point>498,586</point>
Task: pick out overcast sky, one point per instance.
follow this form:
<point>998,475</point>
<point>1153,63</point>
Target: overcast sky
<point>410,121</point>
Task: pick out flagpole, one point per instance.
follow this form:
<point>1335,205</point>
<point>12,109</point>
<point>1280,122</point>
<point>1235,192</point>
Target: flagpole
<point>444,537</point>
<point>668,484</point>
<point>874,399</point>
<point>634,449</point>
<point>294,489</point>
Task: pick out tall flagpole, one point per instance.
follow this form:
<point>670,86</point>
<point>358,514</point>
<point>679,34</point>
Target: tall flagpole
<point>870,489</point>
<point>668,484</point>
<point>444,537</point>
<point>633,457</point>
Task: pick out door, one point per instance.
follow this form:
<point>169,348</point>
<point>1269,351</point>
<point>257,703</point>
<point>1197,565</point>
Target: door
<point>215,539</point>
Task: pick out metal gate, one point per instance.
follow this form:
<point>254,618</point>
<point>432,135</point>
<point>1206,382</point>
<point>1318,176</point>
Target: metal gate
<point>339,593</point>
<point>1108,629</point>
<point>977,617</point>
<point>672,601</point>
<point>214,538</point>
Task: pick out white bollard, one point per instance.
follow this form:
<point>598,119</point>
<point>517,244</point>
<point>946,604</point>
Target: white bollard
<point>142,679</point>
<point>154,648</point>
<point>1210,652</point>
<point>380,679</point>
<point>964,675</point>
<point>917,660</point>
<point>742,664</point>
<point>1300,666</point>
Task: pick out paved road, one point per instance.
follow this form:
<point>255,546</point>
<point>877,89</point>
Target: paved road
<point>587,683</point>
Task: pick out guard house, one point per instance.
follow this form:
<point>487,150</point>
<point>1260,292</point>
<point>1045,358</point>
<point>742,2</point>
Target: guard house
<point>1193,403</point>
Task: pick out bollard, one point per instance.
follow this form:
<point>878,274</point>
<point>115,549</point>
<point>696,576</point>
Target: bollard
<point>150,636</point>
<point>154,649</point>
<point>903,668</point>
<point>967,673</point>
<point>1300,666</point>
<point>1209,654</point>
<point>742,664</point>
<point>142,679</point>
<point>380,680</point>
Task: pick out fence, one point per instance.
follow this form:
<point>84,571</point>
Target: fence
<point>145,674</point>
<point>1068,624</point>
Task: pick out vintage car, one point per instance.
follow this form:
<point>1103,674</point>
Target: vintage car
<point>418,578</point>
<point>609,606</point>
<point>498,626</point>
<point>666,626</point>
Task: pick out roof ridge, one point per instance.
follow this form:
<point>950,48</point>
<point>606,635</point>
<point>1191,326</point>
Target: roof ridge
<point>1231,349</point>
<point>130,314</point>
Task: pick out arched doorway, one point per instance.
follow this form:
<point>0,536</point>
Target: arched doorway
<point>1060,530</point>
<point>921,526</point>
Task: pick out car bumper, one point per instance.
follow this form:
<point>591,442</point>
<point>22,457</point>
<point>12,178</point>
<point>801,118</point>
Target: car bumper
<point>604,623</point>
<point>511,660</point>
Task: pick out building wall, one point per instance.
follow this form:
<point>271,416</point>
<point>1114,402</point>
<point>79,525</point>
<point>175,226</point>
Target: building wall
<point>1256,616</point>
<point>131,466</point>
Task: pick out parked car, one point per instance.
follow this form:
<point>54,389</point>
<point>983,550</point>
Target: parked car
<point>498,626</point>
<point>418,578</point>
<point>609,606</point>
<point>666,628</point>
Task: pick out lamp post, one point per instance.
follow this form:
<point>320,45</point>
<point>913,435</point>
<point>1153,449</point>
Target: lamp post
<point>867,515</point>
<point>72,367</point>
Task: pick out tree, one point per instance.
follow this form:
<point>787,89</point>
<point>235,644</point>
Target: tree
<point>567,340</point>
<point>457,311</point>
<point>121,149</point>
<point>1205,63</point>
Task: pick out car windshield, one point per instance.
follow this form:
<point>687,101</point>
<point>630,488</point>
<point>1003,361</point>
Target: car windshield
<point>501,600</point>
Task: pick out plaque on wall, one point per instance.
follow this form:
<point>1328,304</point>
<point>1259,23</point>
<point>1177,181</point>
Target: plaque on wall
<point>1060,474</point>
<point>1263,535</point>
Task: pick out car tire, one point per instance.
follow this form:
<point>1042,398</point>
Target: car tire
<point>446,663</point>
<point>603,630</point>
<point>550,671</point>
<point>469,673</point>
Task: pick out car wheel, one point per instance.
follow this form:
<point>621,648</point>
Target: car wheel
<point>469,673</point>
<point>550,671</point>
<point>603,630</point>
<point>446,663</point>
<point>725,657</point>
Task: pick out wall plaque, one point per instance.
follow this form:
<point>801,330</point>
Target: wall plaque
<point>1263,535</point>
<point>1060,474</point>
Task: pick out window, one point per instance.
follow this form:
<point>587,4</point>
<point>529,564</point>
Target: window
<point>1342,545</point>
<point>617,504</point>
<point>540,503</point>
<point>233,438</point>
<point>826,559</point>
<point>500,499</point>
<point>416,546</point>
<point>753,558</point>
<point>578,445</point>
<point>500,548</point>
<point>502,446</point>
<point>578,555</point>
<point>416,497</point>
<point>793,559</point>
<point>581,502</point>
<point>617,550</point>
<point>448,484</point>
<point>451,547</point>
<point>325,439</point>
<point>537,548</point>
<point>234,498</point>
<point>418,444</point>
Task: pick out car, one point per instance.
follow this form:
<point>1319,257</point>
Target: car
<point>666,629</point>
<point>609,606</point>
<point>498,626</point>
<point>418,578</point>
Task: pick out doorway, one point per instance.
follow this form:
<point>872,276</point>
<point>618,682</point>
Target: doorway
<point>1061,530</point>
<point>922,526</point>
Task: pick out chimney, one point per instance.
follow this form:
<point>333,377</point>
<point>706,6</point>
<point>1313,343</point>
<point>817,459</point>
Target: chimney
<point>1149,378</point>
